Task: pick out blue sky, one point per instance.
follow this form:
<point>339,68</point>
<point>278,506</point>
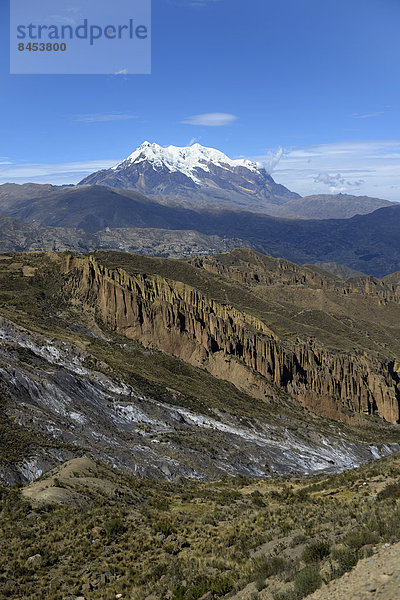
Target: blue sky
<point>318,78</point>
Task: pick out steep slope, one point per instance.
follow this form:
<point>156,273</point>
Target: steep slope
<point>194,176</point>
<point>80,373</point>
<point>304,332</point>
<point>379,575</point>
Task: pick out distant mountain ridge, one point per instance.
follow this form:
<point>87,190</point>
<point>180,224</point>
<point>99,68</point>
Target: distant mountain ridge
<point>217,203</point>
<point>328,206</point>
<point>83,219</point>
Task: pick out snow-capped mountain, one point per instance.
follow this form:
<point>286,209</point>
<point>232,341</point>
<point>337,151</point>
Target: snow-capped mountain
<point>186,160</point>
<point>194,176</point>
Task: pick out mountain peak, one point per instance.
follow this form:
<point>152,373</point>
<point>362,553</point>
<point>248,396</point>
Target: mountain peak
<point>194,176</point>
<point>185,159</point>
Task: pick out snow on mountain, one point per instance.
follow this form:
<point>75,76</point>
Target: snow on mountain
<point>184,159</point>
<point>196,177</point>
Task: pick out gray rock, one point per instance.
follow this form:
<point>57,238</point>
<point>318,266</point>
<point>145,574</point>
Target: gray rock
<point>35,561</point>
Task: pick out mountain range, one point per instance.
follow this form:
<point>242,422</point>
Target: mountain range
<point>179,201</point>
<point>200,177</point>
<point>83,219</point>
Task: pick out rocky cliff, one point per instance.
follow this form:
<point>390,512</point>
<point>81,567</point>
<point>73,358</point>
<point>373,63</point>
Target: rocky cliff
<point>235,344</point>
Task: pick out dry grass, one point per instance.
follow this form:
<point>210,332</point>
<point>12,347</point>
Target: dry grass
<point>139,537</point>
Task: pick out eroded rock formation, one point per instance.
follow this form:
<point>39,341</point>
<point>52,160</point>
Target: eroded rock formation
<point>176,318</point>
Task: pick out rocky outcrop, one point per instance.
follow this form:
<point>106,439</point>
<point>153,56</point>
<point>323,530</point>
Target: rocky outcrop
<point>175,318</point>
<point>253,269</point>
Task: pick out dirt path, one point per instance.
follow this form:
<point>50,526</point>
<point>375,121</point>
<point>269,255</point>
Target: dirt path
<point>375,577</point>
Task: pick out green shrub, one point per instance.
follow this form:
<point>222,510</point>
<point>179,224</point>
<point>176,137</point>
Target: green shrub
<point>307,581</point>
<point>114,527</point>
<point>219,586</point>
<point>260,583</point>
<point>346,560</point>
<point>266,566</point>
<point>164,526</point>
<point>315,552</point>
<point>257,500</point>
<point>360,538</point>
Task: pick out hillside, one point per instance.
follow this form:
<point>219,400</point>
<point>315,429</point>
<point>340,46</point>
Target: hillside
<point>198,368</point>
<point>329,206</point>
<point>86,530</point>
<point>160,412</point>
<point>379,575</point>
<point>86,218</point>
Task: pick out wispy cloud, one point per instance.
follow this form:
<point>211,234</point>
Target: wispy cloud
<point>121,72</point>
<point>102,118</point>
<point>337,181</point>
<point>363,167</point>
<point>210,119</point>
<point>370,115</point>
<point>272,160</point>
<point>57,173</point>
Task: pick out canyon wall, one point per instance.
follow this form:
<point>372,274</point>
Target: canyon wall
<point>175,318</point>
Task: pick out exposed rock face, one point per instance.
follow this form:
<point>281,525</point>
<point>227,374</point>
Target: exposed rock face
<point>238,346</point>
<point>55,393</point>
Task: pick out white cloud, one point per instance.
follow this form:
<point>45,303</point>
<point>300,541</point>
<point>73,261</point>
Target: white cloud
<point>102,118</point>
<point>328,179</point>
<point>272,160</point>
<point>369,168</point>
<point>210,119</point>
<point>121,72</point>
<point>370,115</point>
<point>337,182</point>
<point>58,173</point>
